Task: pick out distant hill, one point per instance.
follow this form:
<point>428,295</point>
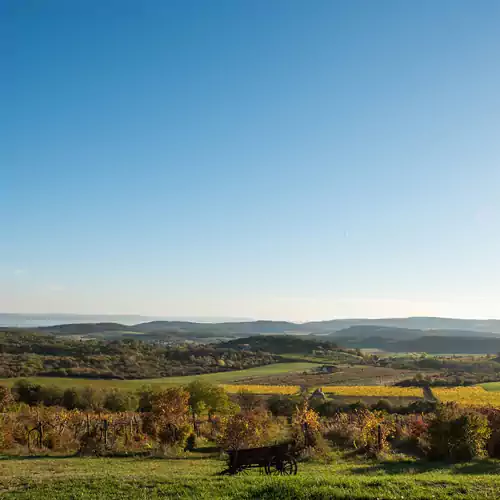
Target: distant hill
<point>261,326</point>
<point>438,341</point>
<point>85,328</point>
<point>429,344</point>
<point>181,329</point>
<point>230,328</point>
<point>455,345</point>
<point>279,344</point>
<point>416,323</point>
<point>367,331</point>
<point>283,337</point>
<point>393,328</point>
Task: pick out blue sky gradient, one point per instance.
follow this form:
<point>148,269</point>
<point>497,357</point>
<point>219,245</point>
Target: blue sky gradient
<point>284,159</point>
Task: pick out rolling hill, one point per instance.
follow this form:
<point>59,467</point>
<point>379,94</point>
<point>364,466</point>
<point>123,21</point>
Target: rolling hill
<point>387,334</point>
<point>412,323</point>
<point>392,327</point>
<point>429,344</point>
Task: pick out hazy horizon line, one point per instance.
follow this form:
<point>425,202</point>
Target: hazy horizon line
<point>222,318</point>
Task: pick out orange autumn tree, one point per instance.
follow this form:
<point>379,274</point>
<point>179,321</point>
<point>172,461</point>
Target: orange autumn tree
<point>246,429</point>
<point>169,419</point>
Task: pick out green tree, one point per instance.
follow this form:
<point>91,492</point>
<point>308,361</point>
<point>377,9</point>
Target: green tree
<point>26,392</point>
<point>119,401</point>
<point>71,399</point>
<point>91,399</point>
<point>457,433</point>
<point>204,396</point>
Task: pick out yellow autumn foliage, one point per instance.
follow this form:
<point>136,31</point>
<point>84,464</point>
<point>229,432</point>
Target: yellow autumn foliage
<point>263,389</point>
<point>381,391</point>
<point>340,390</point>
<point>468,396</point>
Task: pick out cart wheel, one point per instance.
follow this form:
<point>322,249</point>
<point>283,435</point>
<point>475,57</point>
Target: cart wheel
<point>286,466</point>
<point>242,470</point>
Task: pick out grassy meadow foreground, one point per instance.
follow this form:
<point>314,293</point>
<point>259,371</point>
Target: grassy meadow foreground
<point>197,477</point>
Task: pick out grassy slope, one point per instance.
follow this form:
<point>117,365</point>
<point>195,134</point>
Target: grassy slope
<point>221,378</point>
<point>104,478</point>
<point>339,357</point>
<point>491,386</point>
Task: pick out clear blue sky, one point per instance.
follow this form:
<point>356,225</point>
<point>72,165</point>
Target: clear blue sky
<point>269,159</point>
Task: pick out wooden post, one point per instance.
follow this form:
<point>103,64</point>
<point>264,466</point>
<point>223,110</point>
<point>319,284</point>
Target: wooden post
<point>305,430</point>
<point>39,428</point>
<point>379,437</point>
<point>105,429</point>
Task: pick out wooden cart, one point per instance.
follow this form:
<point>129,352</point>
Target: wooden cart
<point>273,460</point>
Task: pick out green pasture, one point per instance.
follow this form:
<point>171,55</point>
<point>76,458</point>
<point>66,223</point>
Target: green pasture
<point>216,378</point>
<point>340,357</point>
<point>197,478</point>
<point>491,386</point>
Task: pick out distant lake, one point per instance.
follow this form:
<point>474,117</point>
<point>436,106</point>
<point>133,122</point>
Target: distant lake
<point>34,320</point>
<point>29,322</point>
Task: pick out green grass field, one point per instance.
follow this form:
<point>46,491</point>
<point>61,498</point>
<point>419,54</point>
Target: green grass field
<point>491,386</point>
<point>118,478</point>
<point>216,378</point>
<point>340,357</point>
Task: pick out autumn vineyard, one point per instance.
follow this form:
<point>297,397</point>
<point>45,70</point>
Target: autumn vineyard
<point>466,396</point>
<point>237,416</point>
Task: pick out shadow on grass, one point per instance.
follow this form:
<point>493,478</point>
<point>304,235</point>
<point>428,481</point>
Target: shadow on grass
<point>207,449</point>
<point>77,455</point>
<point>198,454</point>
<point>479,467</point>
<point>35,457</point>
<point>421,467</point>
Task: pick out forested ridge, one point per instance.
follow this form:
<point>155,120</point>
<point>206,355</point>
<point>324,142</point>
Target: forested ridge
<point>24,354</point>
<point>429,344</point>
<point>282,344</point>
